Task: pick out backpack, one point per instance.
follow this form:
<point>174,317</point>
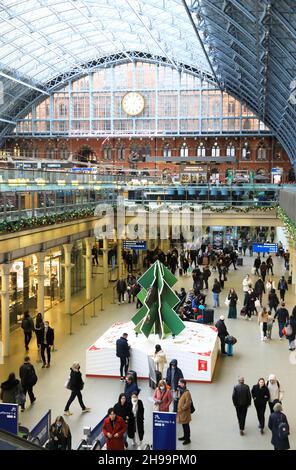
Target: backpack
<point>283,430</point>
<point>32,377</point>
<point>282,284</point>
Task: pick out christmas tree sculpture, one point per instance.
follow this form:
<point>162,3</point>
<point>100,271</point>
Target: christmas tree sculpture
<point>157,314</point>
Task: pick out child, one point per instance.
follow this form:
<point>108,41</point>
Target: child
<point>269,325</point>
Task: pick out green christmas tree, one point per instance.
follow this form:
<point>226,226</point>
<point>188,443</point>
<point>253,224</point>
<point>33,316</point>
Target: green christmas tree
<point>157,315</point>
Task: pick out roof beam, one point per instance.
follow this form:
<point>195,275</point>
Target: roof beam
<point>21,82</point>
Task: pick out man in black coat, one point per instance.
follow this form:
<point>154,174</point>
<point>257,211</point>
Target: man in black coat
<point>242,399</point>
<point>121,288</point>
<point>222,332</point>
<point>28,379</point>
<point>257,264</point>
<point>279,441</point>
<point>123,352</point>
<point>47,341</point>
<point>282,315</point>
<point>282,287</point>
<point>259,289</point>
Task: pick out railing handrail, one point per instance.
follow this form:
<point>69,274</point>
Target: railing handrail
<point>85,305</point>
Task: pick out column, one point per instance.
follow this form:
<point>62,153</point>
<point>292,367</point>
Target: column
<point>88,268</point>
<point>105,264</point>
<point>40,279</point>
<point>67,266</point>
<point>119,258</point>
<point>5,319</point>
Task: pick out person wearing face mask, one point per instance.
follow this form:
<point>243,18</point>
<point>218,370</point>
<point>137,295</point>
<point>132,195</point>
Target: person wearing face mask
<point>173,375</point>
<point>184,411</point>
<point>47,340</point>
<point>136,422</point>
<point>75,385</point>
<point>260,394</point>
<point>162,397</point>
<point>60,435</point>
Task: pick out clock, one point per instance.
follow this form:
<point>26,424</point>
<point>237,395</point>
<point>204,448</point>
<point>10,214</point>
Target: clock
<point>133,103</point>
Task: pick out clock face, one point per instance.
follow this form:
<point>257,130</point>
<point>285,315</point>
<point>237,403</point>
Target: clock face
<point>133,103</point>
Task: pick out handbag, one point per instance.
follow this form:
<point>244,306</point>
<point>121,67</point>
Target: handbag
<point>227,301</point>
<point>67,383</point>
<point>257,303</point>
<point>192,409</point>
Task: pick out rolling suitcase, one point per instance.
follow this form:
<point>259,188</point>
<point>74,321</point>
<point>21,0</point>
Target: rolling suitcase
<point>239,261</point>
<point>208,316</point>
<point>133,373</point>
<point>153,384</point>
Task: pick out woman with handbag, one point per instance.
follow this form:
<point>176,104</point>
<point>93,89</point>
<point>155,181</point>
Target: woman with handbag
<point>162,397</point>
<point>232,300</point>
<point>75,384</point>
<point>12,392</point>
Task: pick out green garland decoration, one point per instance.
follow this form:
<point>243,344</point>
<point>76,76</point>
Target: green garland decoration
<point>288,222</point>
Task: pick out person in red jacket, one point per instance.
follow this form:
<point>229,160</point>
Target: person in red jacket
<point>114,429</point>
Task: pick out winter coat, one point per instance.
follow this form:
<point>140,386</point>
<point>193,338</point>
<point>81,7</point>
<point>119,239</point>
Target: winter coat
<point>58,441</point>
<point>165,397</point>
<point>27,324</point>
<point>233,299</point>
<point>257,263</point>
<point>221,327</point>
<point>178,375</point>
<point>282,285</point>
<point>120,428</point>
<point>129,389</point>
<point>282,315</point>
<point>123,410</point>
<point>241,395</point>
<point>122,348</point>
<point>273,300</point>
<point>140,422</point>
<point>184,408</point>
<point>76,382</point>
<point>10,391</point>
<point>39,325</point>
<point>260,395</point>
<point>121,287</point>
<point>259,287</point>
<point>160,360</point>
<point>292,322</point>
<point>28,375</point>
<point>49,336</point>
<point>216,288</point>
<point>274,420</point>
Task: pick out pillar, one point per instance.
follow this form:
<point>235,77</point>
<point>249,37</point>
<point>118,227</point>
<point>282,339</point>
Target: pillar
<point>40,279</point>
<point>88,268</point>
<point>119,258</point>
<point>105,264</point>
<point>67,266</point>
<point>5,318</point>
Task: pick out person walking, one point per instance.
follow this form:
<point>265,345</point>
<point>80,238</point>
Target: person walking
<point>159,359</point>
<point>263,270</point>
<point>39,325</point>
<point>162,397</point>
<point>260,394</point>
<point>222,332</point>
<point>130,387</point>
<point>47,341</point>
<point>206,275</point>
<point>291,338</point>
<point>241,398</point>
<point>123,352</point>
<point>114,429</point>
<point>257,264</point>
<point>11,391</point>
<point>259,289</point>
<point>123,408</point>
<point>28,327</point>
<point>75,384</point>
<point>247,283</point>
<point>275,392</point>
<point>60,435</point>
<point>273,300</point>
<point>263,318</point>
<point>282,287</point>
<point>28,380</point>
<point>250,303</point>
<point>233,299</point>
<point>121,288</point>
<point>216,291</point>
<point>131,282</point>
<point>269,264</point>
<point>184,411</point>
<point>94,252</point>
<point>282,316</point>
<point>279,426</point>
<point>269,285</point>
<point>136,422</point>
<point>173,375</point>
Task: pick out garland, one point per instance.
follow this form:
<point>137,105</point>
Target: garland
<point>288,222</point>
<point>243,210</point>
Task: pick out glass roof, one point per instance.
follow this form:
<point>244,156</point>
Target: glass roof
<point>44,38</point>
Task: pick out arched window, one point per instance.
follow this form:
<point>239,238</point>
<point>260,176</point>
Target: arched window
<point>64,152</point>
<point>35,152</point>
<point>261,152</point>
<point>121,153</point>
<point>167,152</point>
<point>107,153</point>
<point>50,153</point>
<point>86,154</point>
<point>184,150</point>
<point>201,150</point>
<point>25,152</point>
<point>246,154</point>
<point>230,150</point>
<point>215,150</point>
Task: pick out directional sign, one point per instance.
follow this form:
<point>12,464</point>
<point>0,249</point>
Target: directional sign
<point>265,247</point>
<point>164,431</point>
<point>134,245</point>
<point>9,418</point>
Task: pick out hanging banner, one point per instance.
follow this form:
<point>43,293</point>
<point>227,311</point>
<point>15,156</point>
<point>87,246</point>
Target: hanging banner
<point>9,418</point>
<point>164,430</point>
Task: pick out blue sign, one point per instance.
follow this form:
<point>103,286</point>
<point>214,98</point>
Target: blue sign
<point>134,245</point>
<point>9,418</point>
<point>164,430</point>
<point>265,247</point>
<point>41,432</point>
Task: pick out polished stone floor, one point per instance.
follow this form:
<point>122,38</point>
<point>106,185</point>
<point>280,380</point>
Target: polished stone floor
<point>214,424</point>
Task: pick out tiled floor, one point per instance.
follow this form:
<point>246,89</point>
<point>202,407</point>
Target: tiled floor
<point>214,424</point>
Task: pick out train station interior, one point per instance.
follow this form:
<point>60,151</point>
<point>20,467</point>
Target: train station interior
<point>139,137</point>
